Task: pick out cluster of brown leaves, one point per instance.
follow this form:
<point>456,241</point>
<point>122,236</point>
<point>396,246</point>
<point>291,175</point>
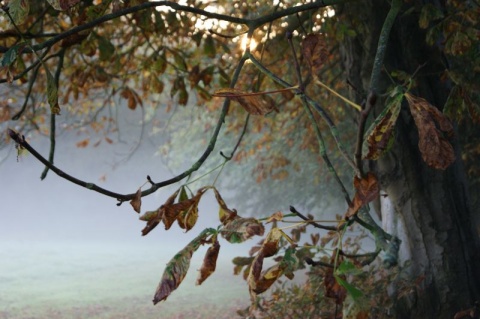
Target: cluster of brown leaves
<point>184,211</point>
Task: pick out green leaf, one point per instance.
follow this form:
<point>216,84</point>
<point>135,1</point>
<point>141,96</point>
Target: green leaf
<point>177,267</point>
<point>209,47</point>
<point>18,10</point>
<point>354,292</point>
<point>347,268</point>
<point>10,56</point>
<point>106,48</point>
<point>52,93</point>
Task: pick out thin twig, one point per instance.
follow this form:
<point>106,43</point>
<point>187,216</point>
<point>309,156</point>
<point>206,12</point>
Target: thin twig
<point>311,222</point>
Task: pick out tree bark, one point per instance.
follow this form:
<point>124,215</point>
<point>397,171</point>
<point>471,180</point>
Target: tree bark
<point>428,209</point>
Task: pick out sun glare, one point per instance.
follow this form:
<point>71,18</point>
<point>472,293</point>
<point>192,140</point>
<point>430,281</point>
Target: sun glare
<point>244,42</point>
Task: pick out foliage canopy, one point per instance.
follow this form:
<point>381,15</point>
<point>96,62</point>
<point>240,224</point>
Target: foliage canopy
<point>264,79</point>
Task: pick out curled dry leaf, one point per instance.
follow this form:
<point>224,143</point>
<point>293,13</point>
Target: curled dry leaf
<point>381,137</point>
<point>366,190</point>
<point>136,202</point>
<point>278,216</point>
<point>314,49</point>
<point>209,262</point>
<point>433,128</point>
<point>153,222</point>
<point>253,103</point>
<point>240,229</point>
<point>184,212</point>
<point>225,214</point>
<point>177,267</point>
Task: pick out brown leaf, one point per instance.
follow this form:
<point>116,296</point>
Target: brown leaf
<point>366,190</point>
<point>209,262</point>
<point>253,103</point>
<point>240,229</point>
<point>314,49</point>
<point>136,202</point>
<point>153,222</point>
<point>181,211</point>
<point>432,127</point>
<point>278,216</point>
<point>83,143</point>
<point>381,137</point>
<point>177,268</point>
<point>225,214</point>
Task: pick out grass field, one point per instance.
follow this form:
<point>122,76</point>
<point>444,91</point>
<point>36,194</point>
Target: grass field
<point>99,281</point>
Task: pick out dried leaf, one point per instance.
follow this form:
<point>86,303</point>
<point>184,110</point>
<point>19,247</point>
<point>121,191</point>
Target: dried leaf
<point>209,262</point>
<point>83,143</point>
<point>381,137</point>
<point>432,127</point>
<point>240,229</point>
<point>52,93</point>
<point>278,216</point>
<point>153,222</point>
<point>225,214</point>
<point>177,267</point>
<point>136,202</point>
<point>185,211</point>
<point>367,189</point>
<point>253,103</point>
<point>314,49</point>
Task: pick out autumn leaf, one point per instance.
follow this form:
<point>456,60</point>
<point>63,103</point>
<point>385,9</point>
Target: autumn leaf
<point>136,202</point>
<point>314,50</point>
<point>52,93</point>
<point>185,211</point>
<point>209,262</point>
<point>240,229</point>
<point>177,267</point>
<point>225,214</point>
<point>433,130</point>
<point>253,103</point>
<point>83,143</point>
<point>278,216</point>
<point>381,137</point>
<point>152,222</point>
<point>259,283</point>
<point>367,189</point>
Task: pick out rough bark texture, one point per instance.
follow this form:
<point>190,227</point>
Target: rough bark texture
<point>431,208</point>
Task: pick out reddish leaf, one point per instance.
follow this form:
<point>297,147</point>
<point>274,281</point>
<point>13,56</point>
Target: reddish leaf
<point>177,267</point>
<point>136,202</point>
<point>83,143</point>
<point>153,222</point>
<point>366,190</point>
<point>253,103</point>
<point>314,50</point>
<point>432,127</point>
<point>209,262</point>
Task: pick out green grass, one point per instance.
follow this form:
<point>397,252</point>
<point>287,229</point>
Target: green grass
<point>108,281</point>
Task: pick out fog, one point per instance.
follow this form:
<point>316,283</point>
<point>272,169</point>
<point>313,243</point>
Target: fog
<point>68,252</point>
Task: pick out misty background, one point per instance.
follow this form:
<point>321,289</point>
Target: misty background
<point>67,251</point>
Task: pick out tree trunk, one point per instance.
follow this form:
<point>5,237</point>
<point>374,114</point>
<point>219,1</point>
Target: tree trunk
<point>428,209</point>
